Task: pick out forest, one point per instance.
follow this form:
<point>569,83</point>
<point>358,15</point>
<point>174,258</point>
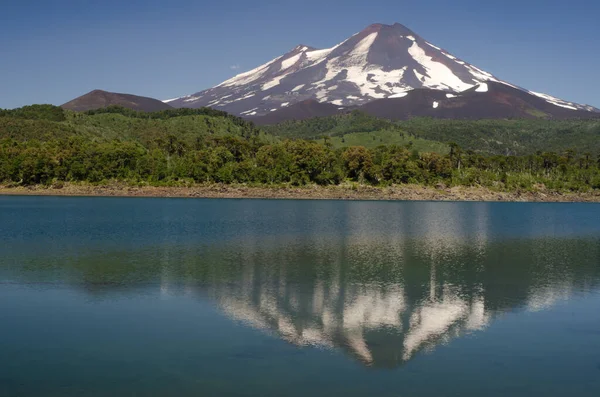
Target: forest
<point>46,145</point>
<point>508,137</point>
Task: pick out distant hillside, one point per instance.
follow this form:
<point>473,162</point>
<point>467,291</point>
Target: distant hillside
<point>101,99</point>
<point>298,111</point>
<point>510,137</point>
<point>317,127</point>
<point>47,123</point>
<point>520,136</point>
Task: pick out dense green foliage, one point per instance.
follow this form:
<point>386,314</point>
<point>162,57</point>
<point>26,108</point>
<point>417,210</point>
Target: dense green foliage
<point>35,112</point>
<point>337,125</point>
<point>168,114</point>
<point>509,137</point>
<point>203,146</point>
<point>519,137</point>
<point>124,124</point>
<point>374,139</point>
<point>354,129</point>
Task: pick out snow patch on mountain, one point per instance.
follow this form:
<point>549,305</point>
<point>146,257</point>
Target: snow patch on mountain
<point>272,83</point>
<point>362,48</point>
<point>249,112</point>
<point>318,55</point>
<point>288,63</point>
<point>449,56</point>
<point>247,96</point>
<point>191,98</point>
<point>564,106</point>
<point>555,101</point>
<point>483,87</point>
<point>438,75</point>
<point>431,45</point>
<point>369,79</point>
<point>249,77</point>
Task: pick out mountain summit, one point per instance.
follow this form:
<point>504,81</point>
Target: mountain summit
<point>382,61</point>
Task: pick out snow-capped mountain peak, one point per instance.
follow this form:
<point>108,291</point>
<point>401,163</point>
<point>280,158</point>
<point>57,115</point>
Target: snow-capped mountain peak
<point>381,61</point>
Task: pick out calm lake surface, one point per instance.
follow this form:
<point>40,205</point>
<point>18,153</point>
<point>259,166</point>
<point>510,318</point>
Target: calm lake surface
<point>182,297</point>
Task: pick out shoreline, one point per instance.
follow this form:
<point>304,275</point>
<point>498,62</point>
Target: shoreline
<point>344,192</point>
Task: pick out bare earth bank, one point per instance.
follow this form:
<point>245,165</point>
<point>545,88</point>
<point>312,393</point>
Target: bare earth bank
<point>346,192</point>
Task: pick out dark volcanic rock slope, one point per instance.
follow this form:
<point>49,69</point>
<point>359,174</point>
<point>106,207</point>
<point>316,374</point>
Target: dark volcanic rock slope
<point>299,111</point>
<point>491,100</point>
<point>100,99</point>
<point>382,61</point>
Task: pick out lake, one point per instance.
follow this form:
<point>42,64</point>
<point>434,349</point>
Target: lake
<point>186,297</point>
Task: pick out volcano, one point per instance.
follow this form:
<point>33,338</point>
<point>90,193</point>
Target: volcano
<point>380,62</point>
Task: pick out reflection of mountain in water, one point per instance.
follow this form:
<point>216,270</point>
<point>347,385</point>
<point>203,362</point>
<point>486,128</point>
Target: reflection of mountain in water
<point>382,283</point>
<point>384,300</point>
<point>376,325</point>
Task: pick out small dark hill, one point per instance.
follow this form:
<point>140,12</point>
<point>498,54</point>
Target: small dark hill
<point>100,99</point>
<point>299,111</point>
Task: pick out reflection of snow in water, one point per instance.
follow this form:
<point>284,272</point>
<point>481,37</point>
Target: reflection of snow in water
<point>367,320</point>
<point>434,319</point>
<point>478,318</point>
<point>364,308</point>
<point>544,297</point>
<point>369,308</point>
<point>342,317</point>
<point>431,320</point>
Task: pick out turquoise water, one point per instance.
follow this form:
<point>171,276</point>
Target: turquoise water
<point>176,297</point>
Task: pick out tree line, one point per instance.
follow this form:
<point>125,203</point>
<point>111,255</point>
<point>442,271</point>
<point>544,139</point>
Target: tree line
<point>230,159</point>
<point>43,144</point>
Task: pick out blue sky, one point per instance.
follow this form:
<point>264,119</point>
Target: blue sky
<point>52,51</point>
